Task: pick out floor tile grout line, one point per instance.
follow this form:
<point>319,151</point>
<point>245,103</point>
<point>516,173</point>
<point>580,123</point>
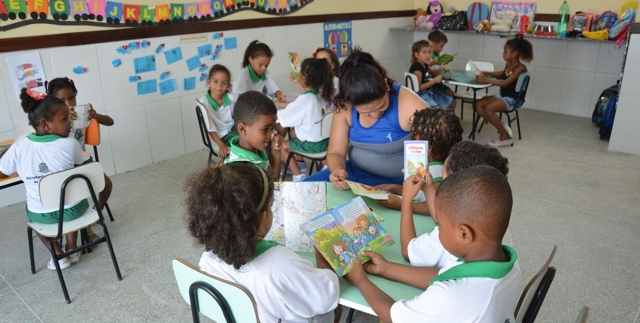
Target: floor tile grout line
<point>569,131</point>
<point>637,315</point>
<point>163,177</point>
<point>583,210</point>
<point>21,299</point>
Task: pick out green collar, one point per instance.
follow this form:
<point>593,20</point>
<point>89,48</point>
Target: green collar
<point>262,246</point>
<point>225,101</point>
<point>437,178</point>
<point>238,153</point>
<point>254,76</point>
<point>310,91</point>
<point>480,269</point>
<point>46,138</point>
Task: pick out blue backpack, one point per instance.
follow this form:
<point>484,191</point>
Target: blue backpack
<point>605,21</point>
<point>601,106</point>
<point>609,114</point>
<point>477,11</point>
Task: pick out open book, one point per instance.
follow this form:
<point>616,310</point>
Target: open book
<point>294,62</point>
<point>295,203</point>
<point>446,58</point>
<point>415,157</point>
<point>368,191</point>
<point>345,232</point>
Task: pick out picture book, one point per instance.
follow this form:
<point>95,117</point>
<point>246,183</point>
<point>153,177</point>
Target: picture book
<point>368,191</point>
<point>415,157</point>
<point>295,203</point>
<point>294,62</point>
<point>446,58</point>
<point>474,67</point>
<point>345,232</point>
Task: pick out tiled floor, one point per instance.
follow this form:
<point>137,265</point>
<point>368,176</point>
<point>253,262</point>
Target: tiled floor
<point>569,190</point>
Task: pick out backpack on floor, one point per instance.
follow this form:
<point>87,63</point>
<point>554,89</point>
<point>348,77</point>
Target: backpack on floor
<point>605,21</point>
<point>609,115</point>
<point>601,106</point>
<point>476,12</point>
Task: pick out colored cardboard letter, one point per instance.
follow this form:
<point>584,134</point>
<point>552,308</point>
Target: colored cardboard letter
<point>162,12</point>
<point>191,9</point>
<point>96,7</point>
<point>177,10</point>
<point>114,10</point>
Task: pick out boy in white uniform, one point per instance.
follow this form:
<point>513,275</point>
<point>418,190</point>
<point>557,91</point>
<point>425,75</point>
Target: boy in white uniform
<point>483,285</point>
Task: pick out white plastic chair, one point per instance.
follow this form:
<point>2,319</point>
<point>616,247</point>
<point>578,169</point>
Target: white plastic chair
<point>535,292</point>
<point>66,187</point>
<point>216,298</point>
<point>316,158</point>
<point>467,97</point>
<point>411,82</point>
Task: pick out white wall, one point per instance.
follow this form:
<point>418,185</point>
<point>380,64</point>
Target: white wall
<point>566,76</point>
<point>152,128</point>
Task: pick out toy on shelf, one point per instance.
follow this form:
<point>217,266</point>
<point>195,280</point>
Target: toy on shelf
<point>420,20</point>
<point>482,26</point>
<point>505,23</point>
<point>434,13</point>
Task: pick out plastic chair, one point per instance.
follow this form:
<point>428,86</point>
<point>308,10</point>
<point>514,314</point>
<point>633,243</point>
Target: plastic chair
<point>584,313</point>
<point>535,292</point>
<point>92,138</point>
<point>411,81</point>
<point>67,187</point>
<point>316,158</point>
<point>521,87</point>
<point>226,301</point>
<point>467,97</point>
<point>204,125</point>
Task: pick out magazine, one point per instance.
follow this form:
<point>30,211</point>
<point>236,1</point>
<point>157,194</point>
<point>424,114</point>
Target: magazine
<point>415,157</point>
<point>345,232</point>
<point>295,203</point>
<point>294,62</point>
<point>368,191</point>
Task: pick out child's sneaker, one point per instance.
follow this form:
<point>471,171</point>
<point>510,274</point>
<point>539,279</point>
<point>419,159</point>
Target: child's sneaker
<point>508,129</point>
<point>92,236</point>
<point>325,167</point>
<point>64,264</point>
<point>500,143</point>
<point>73,258</point>
<point>299,178</point>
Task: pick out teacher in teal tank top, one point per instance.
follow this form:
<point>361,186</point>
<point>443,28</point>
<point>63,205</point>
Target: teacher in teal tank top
<point>370,124</point>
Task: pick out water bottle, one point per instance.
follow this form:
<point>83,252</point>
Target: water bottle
<point>563,19</point>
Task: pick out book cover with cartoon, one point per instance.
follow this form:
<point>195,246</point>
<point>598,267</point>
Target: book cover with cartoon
<point>368,191</point>
<point>415,157</point>
<point>345,232</point>
<point>294,62</point>
<point>295,203</point>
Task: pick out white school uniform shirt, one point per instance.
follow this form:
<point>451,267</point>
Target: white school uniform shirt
<point>220,117</point>
<point>305,115</point>
<point>455,295</point>
<point>34,157</point>
<point>285,286</point>
<point>249,81</point>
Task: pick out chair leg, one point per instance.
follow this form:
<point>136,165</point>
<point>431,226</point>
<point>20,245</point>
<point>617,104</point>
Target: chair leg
<point>113,255</point>
<point>33,263</point>
<point>106,205</point>
<point>310,171</point>
<point>482,125</point>
<point>58,271</point>
<point>350,315</point>
<point>461,109</point>
<point>518,122</point>
<point>286,165</point>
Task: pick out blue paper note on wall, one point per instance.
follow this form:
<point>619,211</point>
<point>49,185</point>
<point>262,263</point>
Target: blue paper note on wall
<point>230,43</point>
<point>173,55</point>
<point>168,86</point>
<point>146,87</point>
<point>190,83</point>
<point>205,50</point>
<point>193,63</point>
<point>144,64</point>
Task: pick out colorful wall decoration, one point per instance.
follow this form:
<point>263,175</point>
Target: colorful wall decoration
<point>108,13</point>
<point>337,37</point>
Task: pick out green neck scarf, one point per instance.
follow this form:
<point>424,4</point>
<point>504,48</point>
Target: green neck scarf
<point>254,76</point>
<point>480,269</point>
<point>225,101</point>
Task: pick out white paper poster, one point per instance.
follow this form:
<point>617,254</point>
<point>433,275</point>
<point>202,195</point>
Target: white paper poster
<point>27,71</point>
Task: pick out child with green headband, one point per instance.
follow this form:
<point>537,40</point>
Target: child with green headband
<point>481,283</point>
<point>219,105</point>
<point>229,212</point>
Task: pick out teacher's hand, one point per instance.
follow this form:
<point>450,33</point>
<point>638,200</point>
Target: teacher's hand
<point>338,179</point>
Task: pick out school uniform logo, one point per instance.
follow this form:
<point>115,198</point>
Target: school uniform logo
<point>42,168</point>
<point>389,136</point>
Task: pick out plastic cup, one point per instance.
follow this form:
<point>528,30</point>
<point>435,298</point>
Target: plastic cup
<point>82,119</point>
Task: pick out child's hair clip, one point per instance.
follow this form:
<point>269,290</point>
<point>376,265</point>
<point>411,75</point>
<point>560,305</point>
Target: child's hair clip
<point>257,42</point>
<point>36,95</point>
<point>519,36</point>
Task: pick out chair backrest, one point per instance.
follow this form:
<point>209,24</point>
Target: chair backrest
<point>584,313</point>
<point>76,190</point>
<point>411,81</point>
<point>325,129</point>
<point>92,134</point>
<point>535,291</point>
<point>204,125</point>
<point>483,66</point>
<point>216,298</point>
<point>521,87</point>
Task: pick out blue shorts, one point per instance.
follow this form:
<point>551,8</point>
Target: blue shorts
<point>355,174</point>
<point>509,101</point>
<point>436,98</point>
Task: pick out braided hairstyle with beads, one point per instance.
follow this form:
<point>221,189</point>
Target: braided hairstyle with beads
<point>440,127</point>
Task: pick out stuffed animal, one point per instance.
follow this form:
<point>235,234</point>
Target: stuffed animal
<point>420,20</point>
<point>434,11</point>
<point>482,26</point>
<point>505,23</point>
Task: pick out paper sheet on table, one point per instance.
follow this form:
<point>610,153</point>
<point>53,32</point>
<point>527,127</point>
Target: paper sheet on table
<point>474,67</point>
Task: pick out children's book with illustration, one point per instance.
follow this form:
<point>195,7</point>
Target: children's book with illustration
<point>446,58</point>
<point>343,233</point>
<point>368,191</point>
<point>474,67</point>
<point>294,62</point>
<point>295,203</point>
<point>415,157</point>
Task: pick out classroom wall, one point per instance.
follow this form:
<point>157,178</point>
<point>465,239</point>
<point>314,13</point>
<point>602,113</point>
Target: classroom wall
<point>316,7</point>
<point>154,127</point>
<point>542,6</point>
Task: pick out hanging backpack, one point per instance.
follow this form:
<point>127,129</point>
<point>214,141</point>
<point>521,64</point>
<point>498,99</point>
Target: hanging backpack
<point>609,115</point>
<point>601,106</point>
<point>605,21</point>
<point>476,12</point>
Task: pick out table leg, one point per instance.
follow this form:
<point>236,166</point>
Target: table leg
<point>472,135</point>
